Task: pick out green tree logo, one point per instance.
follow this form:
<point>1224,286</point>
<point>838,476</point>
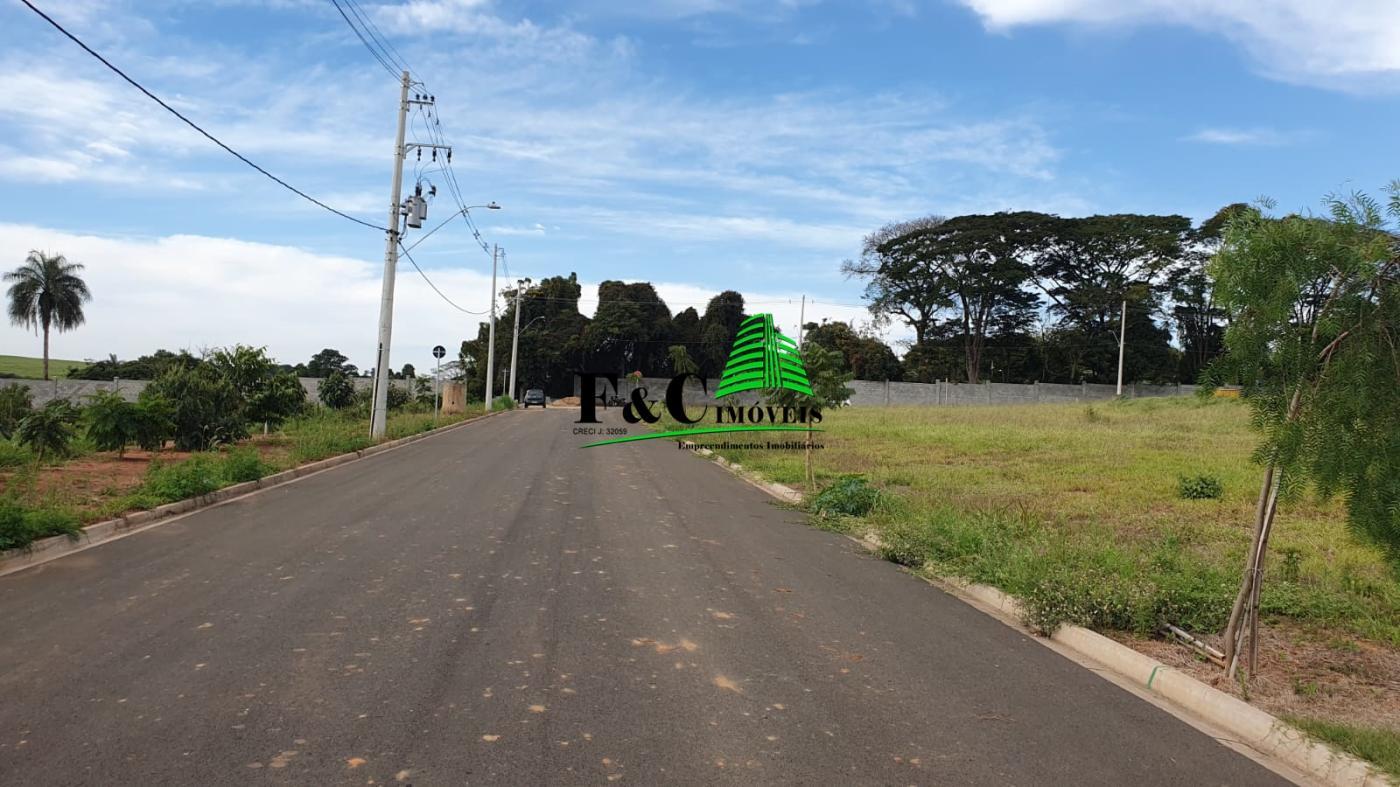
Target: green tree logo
<point>762,358</point>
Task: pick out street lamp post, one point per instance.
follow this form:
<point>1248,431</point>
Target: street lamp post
<point>515,336</point>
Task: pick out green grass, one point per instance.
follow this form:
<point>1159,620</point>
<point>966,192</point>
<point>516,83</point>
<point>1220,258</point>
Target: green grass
<point>33,368</point>
<point>1078,511</point>
<point>1379,746</point>
<point>327,433</point>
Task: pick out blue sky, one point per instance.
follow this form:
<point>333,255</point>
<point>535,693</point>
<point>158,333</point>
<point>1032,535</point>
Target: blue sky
<point>698,144</point>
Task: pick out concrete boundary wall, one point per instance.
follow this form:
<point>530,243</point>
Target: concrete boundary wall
<point>866,392</point>
<point>889,393</point>
<point>78,391</point>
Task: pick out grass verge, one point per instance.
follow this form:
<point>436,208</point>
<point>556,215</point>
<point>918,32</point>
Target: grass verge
<point>1379,746</point>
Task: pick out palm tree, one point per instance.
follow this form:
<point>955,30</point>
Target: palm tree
<point>47,292</point>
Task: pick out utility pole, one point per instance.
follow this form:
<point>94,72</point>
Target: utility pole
<point>801,318</point>
<point>491,333</point>
<point>380,410</point>
<point>1122,339</point>
<point>515,336</point>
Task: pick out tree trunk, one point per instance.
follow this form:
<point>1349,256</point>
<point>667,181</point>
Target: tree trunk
<point>1232,628</point>
<point>46,350</point>
<point>1265,510</point>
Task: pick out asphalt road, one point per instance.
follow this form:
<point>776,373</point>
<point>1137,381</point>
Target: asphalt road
<point>496,606</point>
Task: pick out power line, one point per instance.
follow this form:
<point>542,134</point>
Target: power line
<point>378,36</point>
<point>440,293</point>
<point>284,184</point>
<point>377,55</point>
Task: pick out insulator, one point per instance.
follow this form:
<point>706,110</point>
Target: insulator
<point>434,154</point>
<point>432,191</point>
<point>449,157</point>
<point>420,154</point>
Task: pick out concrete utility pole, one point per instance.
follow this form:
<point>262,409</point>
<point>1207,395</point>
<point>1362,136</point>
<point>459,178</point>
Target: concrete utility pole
<point>801,318</point>
<point>380,410</point>
<point>1122,339</point>
<point>491,333</point>
<point>515,336</point>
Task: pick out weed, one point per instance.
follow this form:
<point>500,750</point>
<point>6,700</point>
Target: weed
<point>850,496</point>
<point>243,464</point>
<point>1380,746</point>
<point>21,526</point>
<point>1290,569</point>
<point>1199,487</point>
<point>14,455</point>
<point>198,475</point>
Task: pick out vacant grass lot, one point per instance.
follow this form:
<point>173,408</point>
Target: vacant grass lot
<point>1075,508</point>
<point>33,368</point>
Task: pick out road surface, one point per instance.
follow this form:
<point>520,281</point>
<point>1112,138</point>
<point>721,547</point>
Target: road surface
<point>495,605</point>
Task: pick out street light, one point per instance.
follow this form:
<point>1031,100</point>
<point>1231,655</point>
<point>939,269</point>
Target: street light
<point>515,336</point>
<point>488,206</point>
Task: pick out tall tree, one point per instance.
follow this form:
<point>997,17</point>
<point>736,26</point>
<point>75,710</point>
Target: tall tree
<point>685,328</point>
<point>864,356</point>
<point>47,292</point>
<point>1313,305</point>
<point>1199,320</point>
<point>1090,267</point>
<point>631,328</point>
<point>323,363</point>
<point>718,326</point>
<point>979,267</point>
<point>899,281</point>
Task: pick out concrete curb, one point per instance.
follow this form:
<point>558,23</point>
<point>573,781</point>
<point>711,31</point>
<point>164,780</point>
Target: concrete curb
<point>1251,726</point>
<point>47,549</point>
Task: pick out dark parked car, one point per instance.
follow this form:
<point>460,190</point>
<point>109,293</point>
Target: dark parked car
<point>534,396</point>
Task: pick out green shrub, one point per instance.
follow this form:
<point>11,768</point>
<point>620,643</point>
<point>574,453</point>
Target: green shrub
<point>111,422</point>
<point>48,430</point>
<point>243,464</point>
<point>20,527</point>
<point>266,395</point>
<point>398,397</point>
<point>198,475</point>
<point>1199,487</point>
<point>205,408</point>
<point>503,403</point>
<point>849,496</point>
<point>16,401</point>
<point>153,422</point>
<point>13,454</point>
<point>908,544</point>
<point>336,391</point>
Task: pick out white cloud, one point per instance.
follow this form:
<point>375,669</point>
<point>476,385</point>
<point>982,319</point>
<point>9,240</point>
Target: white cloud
<point>1350,43</point>
<point>195,292</point>
<point>532,229</point>
<point>187,291</point>
<point>1246,137</point>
